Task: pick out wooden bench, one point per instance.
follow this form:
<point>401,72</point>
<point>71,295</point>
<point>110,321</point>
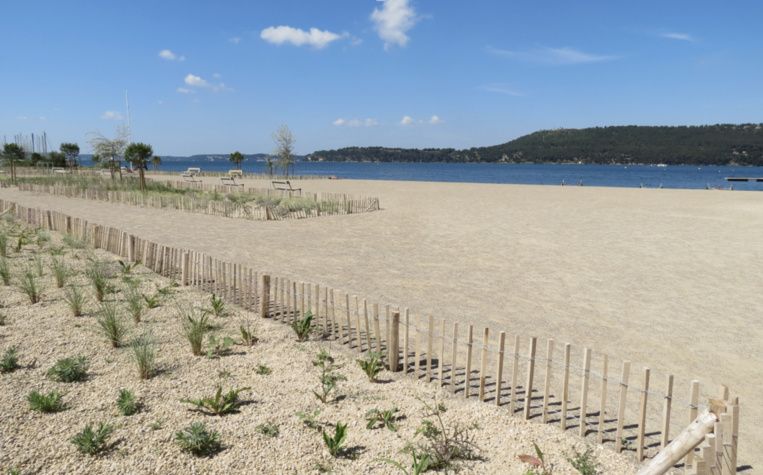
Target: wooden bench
<point>285,186</point>
<point>189,175</point>
<point>229,181</point>
<point>194,171</point>
<point>238,173</point>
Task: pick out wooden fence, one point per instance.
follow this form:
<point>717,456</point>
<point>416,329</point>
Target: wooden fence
<point>606,401</point>
<point>308,205</point>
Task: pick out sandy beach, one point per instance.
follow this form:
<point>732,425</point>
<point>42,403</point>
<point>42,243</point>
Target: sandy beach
<point>668,279</point>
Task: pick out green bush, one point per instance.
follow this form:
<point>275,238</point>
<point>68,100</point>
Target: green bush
<point>69,370</point>
<point>221,403</point>
<point>127,402</point>
<point>9,361</point>
<point>75,299</point>
<point>50,402</point>
<point>334,443</point>
<point>198,440</point>
<point>194,326</point>
<point>91,441</point>
<point>143,349</point>
<point>111,323</point>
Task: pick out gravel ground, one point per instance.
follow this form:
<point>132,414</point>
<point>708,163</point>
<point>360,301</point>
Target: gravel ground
<point>32,442</point>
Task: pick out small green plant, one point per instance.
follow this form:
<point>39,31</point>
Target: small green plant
<point>98,272</point>
<point>127,402</point>
<point>156,425</point>
<point>247,336</point>
<point>584,462</point>
<point>3,320</point>
<point>387,418</point>
<point>73,242</point>
<point>372,365</point>
<point>152,301</point>
<point>60,270</point>
<point>69,370</point>
<point>329,377</point>
<point>23,240</point>
<point>75,298</point>
<point>10,360</point>
<point>219,347</point>
<point>194,326</point>
<point>309,418</point>
<point>263,370</point>
<point>91,441</point>
<point>5,271</point>
<point>111,323</point>
<point>198,440</point>
<point>134,303</point>
<point>445,444</point>
<point>143,349</point>
<point>303,328</point>
<point>537,462</point>
<point>127,267</point>
<point>39,268</point>
<point>334,443</point>
<point>627,444</point>
<point>30,286</point>
<point>3,245</point>
<point>268,429</point>
<point>50,402</point>
<point>42,238</point>
<point>421,463</point>
<point>218,307</point>
<point>221,403</point>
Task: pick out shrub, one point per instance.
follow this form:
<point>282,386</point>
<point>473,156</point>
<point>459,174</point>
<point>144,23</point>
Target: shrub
<point>75,299</point>
<point>60,270</point>
<point>73,242</point>
<point>143,349</point>
<point>221,403</point>
<point>329,376</point>
<point>50,402</point>
<point>198,440</point>
<point>127,267</point>
<point>584,462</point>
<point>385,417</point>
<point>152,301</point>
<point>111,323</point>
<point>69,370</point>
<point>372,365</point>
<point>91,441</point>
<point>194,327</point>
<point>3,244</point>
<point>134,302</point>
<point>334,443</point>
<point>5,271</point>
<point>127,403</point>
<point>218,307</point>
<point>29,285</point>
<point>98,273</point>
<point>9,361</point>
<point>303,327</point>
<point>38,265</point>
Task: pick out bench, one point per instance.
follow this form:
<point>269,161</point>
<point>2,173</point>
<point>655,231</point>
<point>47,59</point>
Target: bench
<point>194,171</point>
<point>229,181</point>
<point>284,186</point>
<point>238,173</point>
<point>188,177</point>
<point>58,171</point>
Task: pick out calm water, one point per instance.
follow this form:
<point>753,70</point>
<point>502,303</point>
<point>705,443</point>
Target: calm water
<point>632,176</point>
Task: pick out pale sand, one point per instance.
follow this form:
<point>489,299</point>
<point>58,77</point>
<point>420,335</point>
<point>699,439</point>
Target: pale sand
<point>668,279</point>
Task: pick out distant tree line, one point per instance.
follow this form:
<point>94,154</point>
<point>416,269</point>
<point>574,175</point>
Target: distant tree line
<point>721,144</point>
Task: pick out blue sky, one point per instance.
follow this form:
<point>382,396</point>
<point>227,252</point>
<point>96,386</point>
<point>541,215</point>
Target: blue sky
<point>215,77</point>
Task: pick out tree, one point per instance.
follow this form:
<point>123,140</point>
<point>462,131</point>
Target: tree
<point>269,164</point>
<point>138,154</point>
<point>284,148</point>
<point>156,161</point>
<point>71,150</point>
<point>109,149</point>
<point>236,157</point>
<point>58,159</point>
<point>13,152</point>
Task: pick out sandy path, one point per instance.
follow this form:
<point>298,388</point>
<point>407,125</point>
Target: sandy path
<point>666,278</point>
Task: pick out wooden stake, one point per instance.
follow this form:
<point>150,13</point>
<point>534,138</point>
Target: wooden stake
<point>499,371</point>
<point>417,356</point>
<point>368,329</point>
<point>547,384</point>
<point>394,343</point>
<point>483,365</point>
<point>184,273</point>
<point>666,413</point>
<point>349,319</point>
<point>430,336</point>
<point>405,341</point>
<point>468,377</point>
<point>514,376</point>
<point>441,355</point>
<point>584,395</point>
<point>642,418</point>
<point>264,296</point>
<point>377,330</point>
<point>453,359</point>
<point>357,325</point>
<point>530,376</point>
<point>603,403</point>
<point>621,409</point>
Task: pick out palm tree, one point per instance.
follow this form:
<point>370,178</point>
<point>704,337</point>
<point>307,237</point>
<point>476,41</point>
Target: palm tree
<point>236,157</point>
<point>138,154</point>
<point>156,161</point>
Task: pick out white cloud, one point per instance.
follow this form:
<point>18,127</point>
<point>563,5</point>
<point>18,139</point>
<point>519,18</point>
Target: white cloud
<point>217,75</point>
<point>502,89</point>
<point>170,56</point>
<point>677,36</point>
<point>192,80</point>
<point>436,120</point>
<point>286,34</point>
<point>393,20</point>
<point>235,40</point>
<point>553,56</point>
<point>21,117</point>
<point>112,115</point>
<point>222,87</point>
<point>406,120</point>
<point>355,123</point>
<point>185,91</point>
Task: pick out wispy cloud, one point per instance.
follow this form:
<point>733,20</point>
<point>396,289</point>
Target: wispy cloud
<point>553,56</point>
<point>235,40</point>
<point>285,34</point>
<point>222,88</point>
<point>170,56</point>
<point>42,117</point>
<point>501,89</point>
<point>184,90</point>
<point>406,120</point>
<point>436,120</point>
<point>21,117</point>
<point>355,123</point>
<point>677,36</point>
<point>393,21</point>
<point>111,115</point>
<point>192,80</point>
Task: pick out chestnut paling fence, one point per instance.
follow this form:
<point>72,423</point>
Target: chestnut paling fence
<point>313,204</point>
<point>606,401</point>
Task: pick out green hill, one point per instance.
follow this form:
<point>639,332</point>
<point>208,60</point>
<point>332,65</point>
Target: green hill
<point>723,144</point>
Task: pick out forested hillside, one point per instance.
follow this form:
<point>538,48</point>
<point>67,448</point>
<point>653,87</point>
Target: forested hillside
<point>723,144</point>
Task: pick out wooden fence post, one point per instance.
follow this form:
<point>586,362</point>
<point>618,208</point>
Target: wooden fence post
<point>483,365</point>
<point>499,371</point>
<point>184,270</point>
<point>666,413</point>
<point>547,385</point>
<point>264,296</point>
<point>603,404</point>
<point>621,409</point>
<point>468,377</point>
<point>642,417</point>
<point>394,343</point>
<point>530,376</point>
<point>584,393</point>
<point>453,359</point>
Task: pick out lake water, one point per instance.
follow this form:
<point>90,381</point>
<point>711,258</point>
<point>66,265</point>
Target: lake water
<point>631,176</point>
